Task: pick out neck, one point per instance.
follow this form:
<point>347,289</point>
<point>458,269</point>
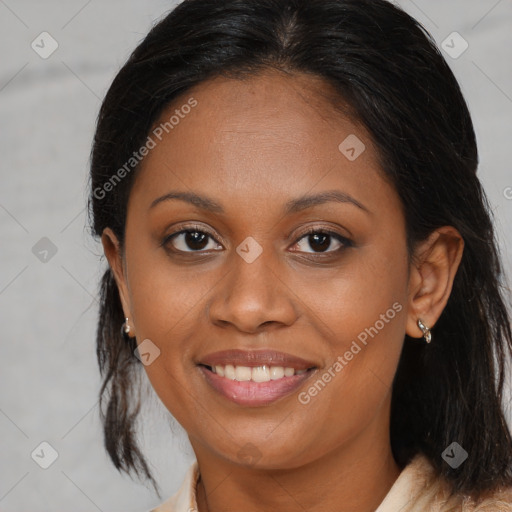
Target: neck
<point>353,478</point>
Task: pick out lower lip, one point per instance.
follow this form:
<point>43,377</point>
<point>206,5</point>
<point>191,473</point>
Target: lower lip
<point>254,394</point>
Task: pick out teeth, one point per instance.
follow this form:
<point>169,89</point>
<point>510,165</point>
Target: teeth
<point>256,374</point>
<point>276,372</point>
<point>243,373</point>
<point>229,372</point>
<point>260,374</point>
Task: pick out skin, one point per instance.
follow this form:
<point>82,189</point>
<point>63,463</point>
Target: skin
<point>252,146</point>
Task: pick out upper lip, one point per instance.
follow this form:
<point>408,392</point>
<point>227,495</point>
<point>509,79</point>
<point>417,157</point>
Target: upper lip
<point>252,358</point>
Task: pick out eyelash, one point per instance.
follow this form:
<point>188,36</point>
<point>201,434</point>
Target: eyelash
<point>310,231</point>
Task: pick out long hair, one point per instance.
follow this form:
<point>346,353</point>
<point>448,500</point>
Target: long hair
<point>386,66</point>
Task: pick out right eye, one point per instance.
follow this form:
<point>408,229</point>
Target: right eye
<point>190,241</point>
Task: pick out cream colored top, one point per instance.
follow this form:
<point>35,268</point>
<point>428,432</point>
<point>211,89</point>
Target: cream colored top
<point>417,489</point>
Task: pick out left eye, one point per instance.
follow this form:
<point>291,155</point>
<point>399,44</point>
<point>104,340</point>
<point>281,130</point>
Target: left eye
<point>322,240</point>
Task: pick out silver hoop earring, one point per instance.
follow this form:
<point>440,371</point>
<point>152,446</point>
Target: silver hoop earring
<point>125,330</point>
<point>425,330</point>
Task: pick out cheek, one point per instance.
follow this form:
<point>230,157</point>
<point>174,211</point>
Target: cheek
<point>361,311</point>
<point>165,302</point>
<point>365,342</point>
<point>359,295</point>
<point>164,294</point>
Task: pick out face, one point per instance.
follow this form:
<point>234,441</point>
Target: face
<point>248,265</point>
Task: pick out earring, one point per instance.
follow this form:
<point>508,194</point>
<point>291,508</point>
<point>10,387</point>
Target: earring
<point>125,330</point>
<point>426,331</point>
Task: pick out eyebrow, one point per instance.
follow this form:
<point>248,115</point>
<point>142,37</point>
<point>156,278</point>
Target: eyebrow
<point>292,206</point>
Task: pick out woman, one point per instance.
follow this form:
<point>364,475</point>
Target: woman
<point>302,258</point>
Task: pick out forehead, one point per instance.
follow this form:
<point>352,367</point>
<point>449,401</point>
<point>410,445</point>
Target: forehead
<point>258,138</point>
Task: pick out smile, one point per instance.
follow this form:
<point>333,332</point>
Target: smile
<point>254,386</point>
<point>262,373</point>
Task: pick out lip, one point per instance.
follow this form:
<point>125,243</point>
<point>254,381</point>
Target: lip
<point>252,358</point>
<point>255,394</point>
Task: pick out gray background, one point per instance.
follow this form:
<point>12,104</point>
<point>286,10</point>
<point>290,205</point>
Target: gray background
<point>48,107</point>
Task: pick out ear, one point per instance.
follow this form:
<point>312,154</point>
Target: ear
<point>433,268</point>
<point>113,252</point>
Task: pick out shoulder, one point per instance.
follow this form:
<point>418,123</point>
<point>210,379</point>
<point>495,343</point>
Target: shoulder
<point>497,501</point>
<point>420,488</point>
<point>435,491</point>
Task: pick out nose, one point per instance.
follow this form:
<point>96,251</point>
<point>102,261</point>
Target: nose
<point>253,296</point>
